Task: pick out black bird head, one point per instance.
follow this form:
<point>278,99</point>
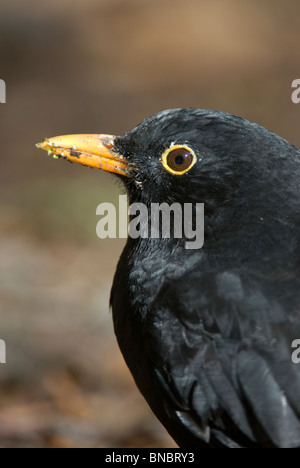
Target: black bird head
<point>231,165</point>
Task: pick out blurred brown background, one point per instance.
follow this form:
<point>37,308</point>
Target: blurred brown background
<point>102,66</point>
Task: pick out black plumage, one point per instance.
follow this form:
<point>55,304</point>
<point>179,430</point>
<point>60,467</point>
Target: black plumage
<point>207,333</point>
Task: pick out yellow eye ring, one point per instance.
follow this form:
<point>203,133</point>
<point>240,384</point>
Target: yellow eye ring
<point>178,159</point>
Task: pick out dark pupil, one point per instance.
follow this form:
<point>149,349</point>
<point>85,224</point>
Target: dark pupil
<point>180,159</point>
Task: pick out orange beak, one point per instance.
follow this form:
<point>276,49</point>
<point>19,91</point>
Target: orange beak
<point>97,151</point>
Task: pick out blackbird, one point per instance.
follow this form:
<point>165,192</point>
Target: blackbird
<point>207,333</point>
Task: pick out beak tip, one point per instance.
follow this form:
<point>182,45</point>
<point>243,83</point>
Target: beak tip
<point>41,145</point>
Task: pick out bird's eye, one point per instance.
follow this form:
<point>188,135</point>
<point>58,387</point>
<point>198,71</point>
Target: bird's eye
<point>178,159</point>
